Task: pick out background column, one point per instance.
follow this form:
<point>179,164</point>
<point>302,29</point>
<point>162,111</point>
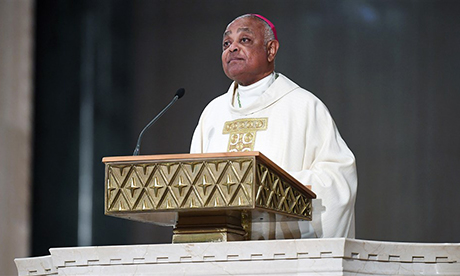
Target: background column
<point>16,39</point>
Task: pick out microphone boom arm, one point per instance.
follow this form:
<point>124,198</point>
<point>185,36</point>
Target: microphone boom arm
<point>178,95</point>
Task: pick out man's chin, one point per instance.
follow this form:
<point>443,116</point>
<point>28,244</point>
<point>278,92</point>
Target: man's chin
<point>237,78</point>
<point>235,69</point>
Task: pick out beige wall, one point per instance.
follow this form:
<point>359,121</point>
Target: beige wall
<point>16,40</point>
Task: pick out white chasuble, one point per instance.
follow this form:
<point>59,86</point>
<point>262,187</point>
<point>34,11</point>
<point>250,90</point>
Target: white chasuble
<point>295,130</point>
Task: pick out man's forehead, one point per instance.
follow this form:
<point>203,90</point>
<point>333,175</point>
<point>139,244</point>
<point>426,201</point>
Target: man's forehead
<point>239,30</point>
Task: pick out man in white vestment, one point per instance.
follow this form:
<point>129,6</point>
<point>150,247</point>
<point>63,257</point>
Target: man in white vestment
<point>265,111</point>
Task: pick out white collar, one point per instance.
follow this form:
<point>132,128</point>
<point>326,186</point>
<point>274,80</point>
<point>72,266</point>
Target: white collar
<point>247,95</point>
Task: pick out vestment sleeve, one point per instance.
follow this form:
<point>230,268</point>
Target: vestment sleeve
<point>329,167</point>
<point>196,145</point>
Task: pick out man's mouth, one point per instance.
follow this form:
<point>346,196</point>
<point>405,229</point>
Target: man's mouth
<point>234,59</point>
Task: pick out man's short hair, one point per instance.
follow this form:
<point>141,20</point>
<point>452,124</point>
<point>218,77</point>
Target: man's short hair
<point>268,32</point>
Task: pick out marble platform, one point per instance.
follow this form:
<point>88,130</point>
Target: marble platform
<point>275,257</point>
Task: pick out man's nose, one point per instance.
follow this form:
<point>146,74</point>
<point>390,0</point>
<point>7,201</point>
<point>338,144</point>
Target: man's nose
<point>233,47</point>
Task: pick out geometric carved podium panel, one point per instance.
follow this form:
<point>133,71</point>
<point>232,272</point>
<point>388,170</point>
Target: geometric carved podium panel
<point>159,189</point>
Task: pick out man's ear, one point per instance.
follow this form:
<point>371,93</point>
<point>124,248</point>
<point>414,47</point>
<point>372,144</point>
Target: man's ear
<point>272,49</point>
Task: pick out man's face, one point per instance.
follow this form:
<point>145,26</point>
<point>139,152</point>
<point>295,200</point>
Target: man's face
<point>244,57</point>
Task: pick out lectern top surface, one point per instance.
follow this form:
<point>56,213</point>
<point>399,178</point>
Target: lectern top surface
<point>181,156</point>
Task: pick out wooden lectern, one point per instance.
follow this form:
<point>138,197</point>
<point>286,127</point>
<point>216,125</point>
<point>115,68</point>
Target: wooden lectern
<point>205,197</point>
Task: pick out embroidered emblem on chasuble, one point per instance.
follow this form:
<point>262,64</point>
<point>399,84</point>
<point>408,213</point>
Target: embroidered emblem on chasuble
<point>243,133</point>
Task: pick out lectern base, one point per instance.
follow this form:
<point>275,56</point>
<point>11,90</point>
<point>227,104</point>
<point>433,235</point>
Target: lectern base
<point>219,235</point>
<point>217,226</point>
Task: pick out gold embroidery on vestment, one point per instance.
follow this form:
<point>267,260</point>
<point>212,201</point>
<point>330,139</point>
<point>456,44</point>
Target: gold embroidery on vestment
<point>243,133</point>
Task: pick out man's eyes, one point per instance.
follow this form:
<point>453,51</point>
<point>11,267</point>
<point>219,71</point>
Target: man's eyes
<point>227,44</point>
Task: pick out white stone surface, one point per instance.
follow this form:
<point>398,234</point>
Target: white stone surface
<point>36,266</point>
<point>280,257</point>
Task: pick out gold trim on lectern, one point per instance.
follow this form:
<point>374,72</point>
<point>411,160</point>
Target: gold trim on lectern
<point>206,197</point>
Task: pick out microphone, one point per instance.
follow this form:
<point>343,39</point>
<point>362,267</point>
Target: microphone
<point>179,94</point>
